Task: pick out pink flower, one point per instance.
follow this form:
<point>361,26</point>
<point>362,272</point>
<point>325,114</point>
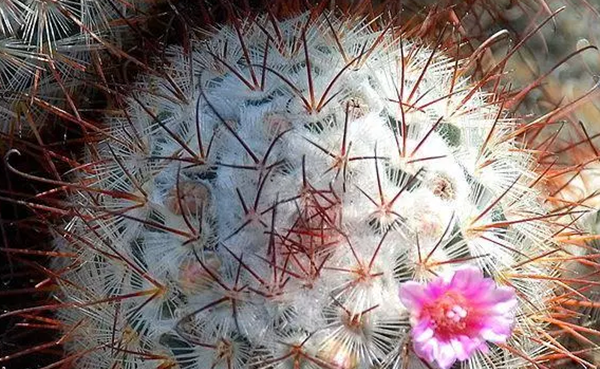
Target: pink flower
<point>452,319</point>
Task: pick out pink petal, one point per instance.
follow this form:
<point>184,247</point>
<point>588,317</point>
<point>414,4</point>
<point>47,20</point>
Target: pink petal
<point>481,290</point>
<point>446,356</point>
<point>484,348</point>
<point>492,336</point>
<point>427,350</point>
<point>412,295</point>
<point>470,345</point>
<point>435,289</point>
<point>423,331</point>
<point>504,300</point>
<point>497,331</point>
<point>459,349</point>
<point>466,278</point>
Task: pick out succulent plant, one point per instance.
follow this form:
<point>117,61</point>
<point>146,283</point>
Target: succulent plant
<point>314,191</point>
<point>47,49</point>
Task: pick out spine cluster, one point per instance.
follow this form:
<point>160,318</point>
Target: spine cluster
<point>47,49</point>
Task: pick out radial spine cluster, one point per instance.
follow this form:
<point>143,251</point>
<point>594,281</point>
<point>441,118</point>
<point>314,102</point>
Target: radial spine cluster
<point>47,47</point>
<point>261,206</point>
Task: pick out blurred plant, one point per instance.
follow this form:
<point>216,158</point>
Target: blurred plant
<point>565,61</point>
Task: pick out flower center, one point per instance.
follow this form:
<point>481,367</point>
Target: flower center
<point>449,315</point>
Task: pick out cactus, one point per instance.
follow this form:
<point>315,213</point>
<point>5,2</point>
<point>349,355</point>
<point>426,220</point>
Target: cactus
<point>277,197</point>
<point>48,48</point>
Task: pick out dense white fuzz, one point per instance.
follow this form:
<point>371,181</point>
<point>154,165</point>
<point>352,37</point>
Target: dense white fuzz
<point>268,220</point>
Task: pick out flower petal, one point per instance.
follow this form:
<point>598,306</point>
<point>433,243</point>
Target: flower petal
<point>446,356</point>
<point>492,336</point>
<point>423,331</point>
<point>412,295</point>
<point>470,345</point>
<point>466,278</point>
<point>459,349</point>
<point>504,300</point>
<point>427,350</point>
